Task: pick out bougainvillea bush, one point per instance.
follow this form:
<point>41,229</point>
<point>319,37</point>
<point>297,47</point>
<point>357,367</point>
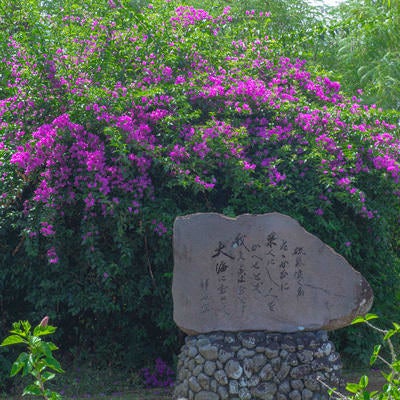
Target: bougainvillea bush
<point>116,117</point>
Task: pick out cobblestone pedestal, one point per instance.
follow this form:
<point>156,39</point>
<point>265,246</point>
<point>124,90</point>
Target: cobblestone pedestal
<point>257,365</point>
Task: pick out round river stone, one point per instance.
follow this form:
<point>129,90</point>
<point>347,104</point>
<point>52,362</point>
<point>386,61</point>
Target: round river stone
<point>270,370</point>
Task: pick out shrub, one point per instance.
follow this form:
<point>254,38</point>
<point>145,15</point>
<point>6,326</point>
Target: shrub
<point>111,128</point>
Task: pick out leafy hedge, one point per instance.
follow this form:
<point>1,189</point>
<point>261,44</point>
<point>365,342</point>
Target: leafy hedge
<point>115,119</point>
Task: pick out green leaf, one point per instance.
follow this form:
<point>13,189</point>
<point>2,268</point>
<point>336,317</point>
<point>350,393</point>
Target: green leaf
<point>369,317</point>
<point>358,320</point>
<point>353,387</point>
<point>32,390</point>
<point>16,367</point>
<point>19,364</point>
<point>363,381</point>
<point>387,387</point>
<point>44,330</point>
<point>26,326</point>
<point>389,334</point>
<point>366,396</point>
<point>52,363</point>
<point>375,354</point>
<point>45,349</point>
<point>396,326</point>
<point>54,396</point>
<point>16,326</point>
<point>388,377</point>
<point>52,346</point>
<point>396,365</point>
<point>47,376</point>
<point>12,339</point>
<point>29,365</point>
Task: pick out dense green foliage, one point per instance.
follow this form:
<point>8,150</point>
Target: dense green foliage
<point>358,42</point>
<point>111,128</point>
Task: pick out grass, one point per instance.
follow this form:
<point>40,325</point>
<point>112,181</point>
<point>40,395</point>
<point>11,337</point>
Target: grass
<point>140,394</point>
<point>104,385</point>
<point>87,382</point>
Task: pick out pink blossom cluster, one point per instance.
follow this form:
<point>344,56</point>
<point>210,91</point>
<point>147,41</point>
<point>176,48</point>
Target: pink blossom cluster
<point>70,161</point>
<point>95,137</point>
<point>186,15</point>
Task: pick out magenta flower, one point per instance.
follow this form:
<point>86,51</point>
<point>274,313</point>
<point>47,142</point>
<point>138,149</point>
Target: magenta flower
<point>52,256</point>
<point>47,229</point>
<point>248,166</point>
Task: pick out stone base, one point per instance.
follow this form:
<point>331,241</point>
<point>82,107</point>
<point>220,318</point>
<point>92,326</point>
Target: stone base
<point>257,365</point>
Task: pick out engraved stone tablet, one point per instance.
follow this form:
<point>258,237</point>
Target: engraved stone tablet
<point>260,272</point>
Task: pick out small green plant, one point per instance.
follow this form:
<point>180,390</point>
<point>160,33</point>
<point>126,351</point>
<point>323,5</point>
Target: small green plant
<point>391,388</point>
<point>38,360</point>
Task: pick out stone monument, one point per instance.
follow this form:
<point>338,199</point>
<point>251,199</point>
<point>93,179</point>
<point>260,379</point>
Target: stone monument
<point>256,295</point>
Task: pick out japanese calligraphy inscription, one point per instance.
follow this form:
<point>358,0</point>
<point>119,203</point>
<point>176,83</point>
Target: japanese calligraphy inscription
<point>260,272</point>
